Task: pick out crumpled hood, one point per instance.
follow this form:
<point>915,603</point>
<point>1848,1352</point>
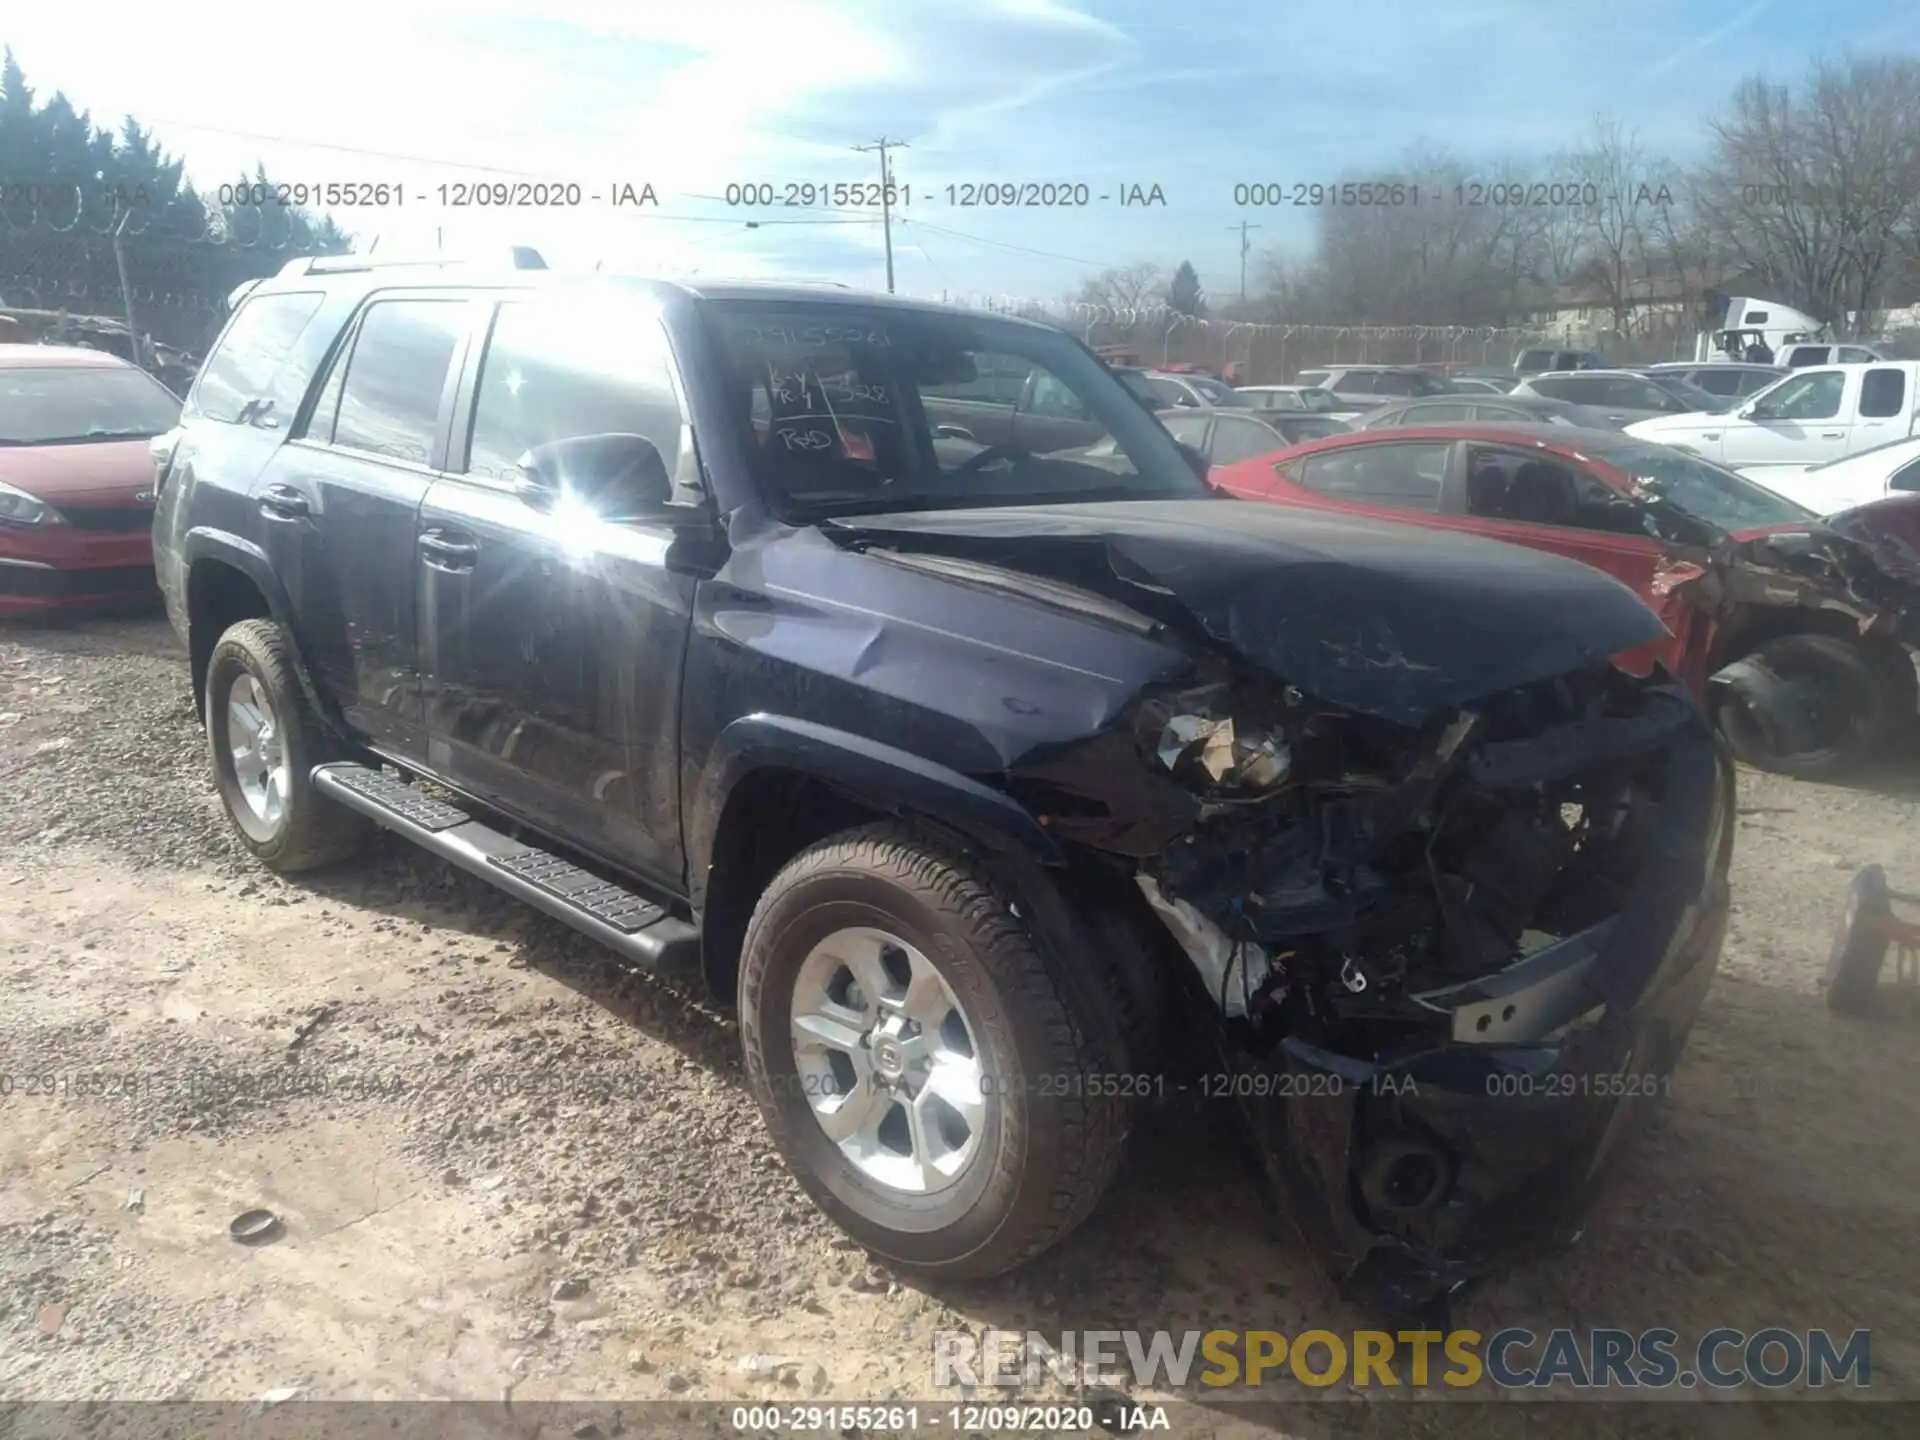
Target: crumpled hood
<point>1387,620</point>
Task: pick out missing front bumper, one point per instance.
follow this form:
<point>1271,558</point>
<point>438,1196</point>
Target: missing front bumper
<point>1413,1177</point>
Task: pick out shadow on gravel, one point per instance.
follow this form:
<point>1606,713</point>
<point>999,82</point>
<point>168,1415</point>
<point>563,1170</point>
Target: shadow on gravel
<point>425,894</point>
<point>1723,1213</point>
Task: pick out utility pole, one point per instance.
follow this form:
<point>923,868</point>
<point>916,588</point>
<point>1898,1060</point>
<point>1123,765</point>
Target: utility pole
<point>1243,227</point>
<point>886,195</point>
<point>126,290</point>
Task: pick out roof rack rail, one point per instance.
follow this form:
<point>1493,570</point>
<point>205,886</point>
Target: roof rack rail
<point>519,257</point>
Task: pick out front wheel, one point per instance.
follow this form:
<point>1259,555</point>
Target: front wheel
<point>1810,706</point>
<point>264,741</point>
<point>928,1071</point>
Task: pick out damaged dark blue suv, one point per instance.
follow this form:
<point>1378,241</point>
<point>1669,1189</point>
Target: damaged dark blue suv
<point>893,666</point>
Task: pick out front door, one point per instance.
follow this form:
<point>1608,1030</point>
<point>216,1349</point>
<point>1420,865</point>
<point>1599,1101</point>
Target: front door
<point>339,499</point>
<point>1802,421</point>
<point>553,639</point>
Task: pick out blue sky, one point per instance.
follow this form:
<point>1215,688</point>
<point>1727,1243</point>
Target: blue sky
<point>1194,97</point>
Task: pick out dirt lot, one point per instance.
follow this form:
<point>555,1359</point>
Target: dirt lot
<point>456,1106</point>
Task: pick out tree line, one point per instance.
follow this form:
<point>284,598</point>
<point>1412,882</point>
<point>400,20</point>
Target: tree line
<point>1805,193</point>
<point>67,185</point>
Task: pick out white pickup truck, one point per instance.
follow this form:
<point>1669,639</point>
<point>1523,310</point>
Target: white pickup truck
<point>1808,418</point>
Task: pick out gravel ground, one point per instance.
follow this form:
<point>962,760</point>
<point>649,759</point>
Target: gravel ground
<point>508,1168</point>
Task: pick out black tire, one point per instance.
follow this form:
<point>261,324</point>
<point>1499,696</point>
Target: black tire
<point>309,830</point>
<point>1048,1147</point>
<point>1861,702</point>
<point>1860,946</point>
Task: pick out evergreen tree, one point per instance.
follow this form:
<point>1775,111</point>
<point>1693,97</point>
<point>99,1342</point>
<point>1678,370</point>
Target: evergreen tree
<point>1184,295</point>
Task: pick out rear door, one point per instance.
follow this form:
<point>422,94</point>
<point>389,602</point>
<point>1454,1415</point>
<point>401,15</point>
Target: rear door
<point>553,640</point>
<point>1885,410</point>
<point>340,499</point>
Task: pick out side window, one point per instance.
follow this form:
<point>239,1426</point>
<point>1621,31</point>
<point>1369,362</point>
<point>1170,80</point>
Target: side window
<point>1435,414</point>
<point>1531,490</point>
<point>1168,393</point>
<point>248,375</point>
<point>1906,478</point>
<point>1052,398</point>
<point>1188,429</point>
<point>1502,412</point>
<point>1717,382</point>
<point>1883,393</point>
<point>1359,382</point>
<point>1814,396</point>
<point>1755,317</point>
<point>1625,394</point>
<point>396,373</point>
<point>1809,355</point>
<point>1236,439</point>
<point>1576,388</point>
<point>1854,355</point>
<point>1408,476</point>
<point>550,374</point>
<point>1311,377</point>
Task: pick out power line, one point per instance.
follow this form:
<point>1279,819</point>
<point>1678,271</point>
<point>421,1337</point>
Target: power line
<point>1004,245</point>
<point>886,197</point>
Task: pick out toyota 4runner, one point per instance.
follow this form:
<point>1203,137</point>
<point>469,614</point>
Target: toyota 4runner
<point>1004,786</point>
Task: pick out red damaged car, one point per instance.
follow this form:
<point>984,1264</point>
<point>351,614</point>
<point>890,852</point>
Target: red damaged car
<point>1795,630</point>
<point>76,477</point>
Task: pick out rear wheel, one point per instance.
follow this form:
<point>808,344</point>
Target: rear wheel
<point>1812,706</point>
<point>927,1069</point>
<point>264,741</point>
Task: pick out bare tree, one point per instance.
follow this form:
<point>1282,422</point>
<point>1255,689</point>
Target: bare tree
<point>1620,187</point>
<point>1132,287</point>
<point>1813,194</point>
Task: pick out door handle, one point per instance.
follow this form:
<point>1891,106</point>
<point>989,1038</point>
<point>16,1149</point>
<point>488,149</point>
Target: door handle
<point>454,557</point>
<point>1831,434</point>
<point>283,502</point>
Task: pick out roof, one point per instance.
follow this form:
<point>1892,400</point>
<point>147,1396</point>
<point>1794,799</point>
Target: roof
<point>42,357</point>
<point>780,292</point>
<point>1718,365</point>
<point>1556,437</point>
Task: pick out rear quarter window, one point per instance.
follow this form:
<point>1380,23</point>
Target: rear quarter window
<point>262,365</point>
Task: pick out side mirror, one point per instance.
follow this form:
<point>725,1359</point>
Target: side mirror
<point>615,477</point>
<point>1195,457</point>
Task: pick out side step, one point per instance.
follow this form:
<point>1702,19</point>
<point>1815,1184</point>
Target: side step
<point>637,928</point>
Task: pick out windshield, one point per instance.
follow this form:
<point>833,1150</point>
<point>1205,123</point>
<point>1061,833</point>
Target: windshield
<point>73,404</point>
<point>848,409</point>
<point>1704,490</point>
<point>1691,394</point>
<point>1219,394</point>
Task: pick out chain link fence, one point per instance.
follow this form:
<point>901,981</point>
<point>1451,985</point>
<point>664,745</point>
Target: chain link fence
<point>172,267</point>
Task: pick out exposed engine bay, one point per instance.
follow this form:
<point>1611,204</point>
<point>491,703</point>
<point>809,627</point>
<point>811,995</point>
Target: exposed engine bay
<point>1338,867</point>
